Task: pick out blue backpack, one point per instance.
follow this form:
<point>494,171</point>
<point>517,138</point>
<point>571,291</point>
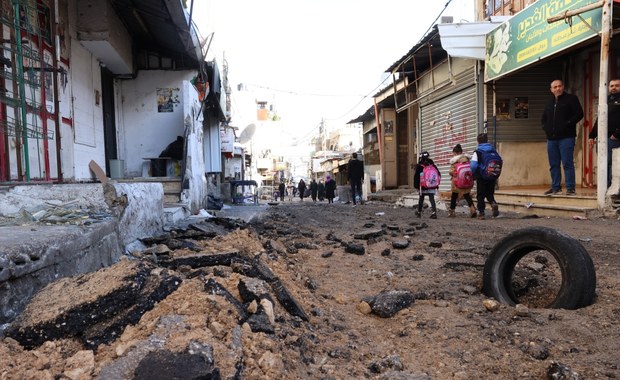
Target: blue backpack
<point>489,165</point>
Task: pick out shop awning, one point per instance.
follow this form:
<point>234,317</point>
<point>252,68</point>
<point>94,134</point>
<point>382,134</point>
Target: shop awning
<point>527,37</point>
<point>468,40</point>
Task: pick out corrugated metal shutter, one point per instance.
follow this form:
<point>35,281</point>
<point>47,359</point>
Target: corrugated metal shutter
<point>532,84</point>
<point>450,117</point>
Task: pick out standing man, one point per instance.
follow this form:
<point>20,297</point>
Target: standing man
<point>559,121</point>
<point>356,175</point>
<point>613,124</point>
<point>281,190</point>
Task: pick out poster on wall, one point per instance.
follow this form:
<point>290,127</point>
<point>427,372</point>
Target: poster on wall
<point>503,109</point>
<point>227,139</point>
<point>167,98</point>
<point>521,107</point>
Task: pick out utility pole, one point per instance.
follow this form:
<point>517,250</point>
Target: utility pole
<point>601,172</point>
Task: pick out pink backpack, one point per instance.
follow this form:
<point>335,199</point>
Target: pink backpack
<point>463,177</point>
<point>430,178</point>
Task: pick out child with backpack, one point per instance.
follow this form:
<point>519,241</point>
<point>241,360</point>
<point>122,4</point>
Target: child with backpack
<point>486,164</point>
<point>462,181</point>
<point>426,179</point>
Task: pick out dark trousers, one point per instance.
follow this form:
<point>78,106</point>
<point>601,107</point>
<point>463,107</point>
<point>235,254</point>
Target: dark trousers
<point>431,198</point>
<point>455,197</point>
<point>484,190</point>
<point>356,188</point>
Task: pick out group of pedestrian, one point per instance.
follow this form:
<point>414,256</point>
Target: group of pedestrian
<point>321,191</point>
<point>559,122</point>
<point>483,166</point>
<point>317,190</point>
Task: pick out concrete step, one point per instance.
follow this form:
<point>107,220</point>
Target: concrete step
<point>545,209</point>
<point>553,200</point>
<point>546,205</point>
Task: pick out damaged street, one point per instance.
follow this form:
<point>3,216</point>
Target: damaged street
<point>322,291</point>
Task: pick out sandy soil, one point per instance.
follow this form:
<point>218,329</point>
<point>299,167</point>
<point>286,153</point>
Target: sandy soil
<point>450,331</point>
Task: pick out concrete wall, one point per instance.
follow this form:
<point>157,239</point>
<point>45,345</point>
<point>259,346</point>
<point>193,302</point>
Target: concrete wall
<point>139,208</point>
<point>146,130</point>
<point>195,195</point>
<point>31,198</point>
<point>525,164</point>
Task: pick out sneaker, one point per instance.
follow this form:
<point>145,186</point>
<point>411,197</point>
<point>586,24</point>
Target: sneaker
<point>418,214</point>
<point>451,213</point>
<point>571,192</point>
<point>481,216</point>
<point>434,215</point>
<point>552,192</point>
<point>495,209</point>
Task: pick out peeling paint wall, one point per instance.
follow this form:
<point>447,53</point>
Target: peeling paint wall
<point>147,128</point>
<point>196,192</point>
<point>140,213</point>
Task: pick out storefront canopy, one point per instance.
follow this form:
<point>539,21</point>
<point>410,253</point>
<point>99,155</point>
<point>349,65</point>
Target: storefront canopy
<point>529,37</point>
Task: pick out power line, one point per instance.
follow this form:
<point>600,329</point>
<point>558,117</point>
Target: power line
<point>291,92</point>
<point>386,78</point>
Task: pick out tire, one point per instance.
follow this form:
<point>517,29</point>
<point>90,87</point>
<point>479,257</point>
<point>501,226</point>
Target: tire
<point>578,283</point>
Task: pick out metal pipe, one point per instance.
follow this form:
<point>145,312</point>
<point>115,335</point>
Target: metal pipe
<point>22,90</point>
<point>57,118</point>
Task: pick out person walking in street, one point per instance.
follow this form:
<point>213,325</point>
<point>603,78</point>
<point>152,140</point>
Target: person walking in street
<point>281,190</point>
<point>330,189</point>
<point>613,124</point>
<point>301,187</point>
<point>314,189</point>
<point>462,181</point>
<point>559,120</point>
<point>356,176</point>
<point>427,178</point>
<point>485,185</point>
<point>290,190</point>
<point>321,190</point>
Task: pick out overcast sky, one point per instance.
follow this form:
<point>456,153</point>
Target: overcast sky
<point>315,59</point>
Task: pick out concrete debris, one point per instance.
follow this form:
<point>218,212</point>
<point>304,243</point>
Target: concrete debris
<point>387,303</point>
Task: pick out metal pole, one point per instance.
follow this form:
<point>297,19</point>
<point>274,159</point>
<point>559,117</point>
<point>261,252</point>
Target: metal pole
<point>22,90</point>
<point>601,173</point>
<point>57,118</point>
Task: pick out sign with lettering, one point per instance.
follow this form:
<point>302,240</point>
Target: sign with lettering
<point>528,38</point>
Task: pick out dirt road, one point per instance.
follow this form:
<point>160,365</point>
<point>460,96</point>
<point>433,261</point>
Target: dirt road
<point>333,260</point>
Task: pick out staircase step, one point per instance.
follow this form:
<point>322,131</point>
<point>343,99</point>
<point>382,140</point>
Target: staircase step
<point>542,209</point>
<point>559,200</point>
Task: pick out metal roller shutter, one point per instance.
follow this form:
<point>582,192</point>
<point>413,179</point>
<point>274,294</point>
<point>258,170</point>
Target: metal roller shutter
<point>448,119</point>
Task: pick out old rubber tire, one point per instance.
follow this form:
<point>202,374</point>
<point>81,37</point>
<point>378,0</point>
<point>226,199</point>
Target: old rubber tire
<point>578,284</point>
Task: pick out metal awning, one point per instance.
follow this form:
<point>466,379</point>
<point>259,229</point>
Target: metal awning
<point>468,40</point>
<point>164,27</point>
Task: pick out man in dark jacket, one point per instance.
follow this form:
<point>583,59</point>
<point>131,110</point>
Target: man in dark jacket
<point>559,121</point>
<point>356,175</point>
<point>613,124</point>
<point>281,190</point>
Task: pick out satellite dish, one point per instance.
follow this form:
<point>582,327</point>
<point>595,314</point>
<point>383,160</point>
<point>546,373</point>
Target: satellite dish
<point>247,134</point>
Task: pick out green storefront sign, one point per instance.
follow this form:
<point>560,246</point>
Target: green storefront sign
<point>527,37</point>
